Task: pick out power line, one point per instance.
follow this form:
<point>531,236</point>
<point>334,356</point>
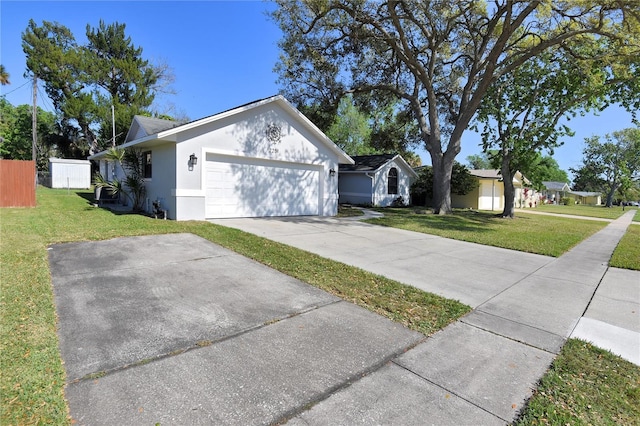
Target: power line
<point>17,88</point>
<point>45,100</point>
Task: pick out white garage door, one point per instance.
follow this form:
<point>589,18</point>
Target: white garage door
<point>251,187</point>
<point>490,196</point>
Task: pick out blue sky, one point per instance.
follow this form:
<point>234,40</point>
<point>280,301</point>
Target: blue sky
<point>222,54</point>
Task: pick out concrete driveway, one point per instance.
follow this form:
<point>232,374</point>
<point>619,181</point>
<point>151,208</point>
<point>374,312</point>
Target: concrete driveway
<point>468,272</point>
<point>173,329</point>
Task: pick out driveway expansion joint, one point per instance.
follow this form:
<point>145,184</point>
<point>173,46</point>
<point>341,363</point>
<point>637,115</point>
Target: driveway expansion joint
<point>200,344</point>
<point>347,382</point>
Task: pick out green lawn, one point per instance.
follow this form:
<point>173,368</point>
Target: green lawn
<point>32,375</point>
<point>627,254</point>
<point>541,234</point>
<point>586,386</point>
<point>584,210</point>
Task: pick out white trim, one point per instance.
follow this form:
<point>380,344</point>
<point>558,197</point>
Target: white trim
<point>187,193</point>
<point>68,161</point>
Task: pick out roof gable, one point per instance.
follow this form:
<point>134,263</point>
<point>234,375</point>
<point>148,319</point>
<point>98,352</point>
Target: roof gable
<point>375,162</point>
<point>556,186</point>
<point>140,127</point>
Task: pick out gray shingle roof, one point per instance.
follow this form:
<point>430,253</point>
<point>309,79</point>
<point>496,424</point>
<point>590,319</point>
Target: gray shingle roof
<point>367,163</point>
<point>486,173</point>
<point>153,125</point>
<point>586,193</point>
<point>556,186</point>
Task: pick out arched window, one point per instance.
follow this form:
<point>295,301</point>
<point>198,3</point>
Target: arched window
<point>392,181</point>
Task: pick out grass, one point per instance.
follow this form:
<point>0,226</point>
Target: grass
<point>541,234</point>
<point>586,386</point>
<point>32,376</point>
<point>627,254</point>
<point>584,210</point>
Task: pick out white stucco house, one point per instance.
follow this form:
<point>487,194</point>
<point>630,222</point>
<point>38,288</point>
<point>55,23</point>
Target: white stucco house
<point>260,159</point>
<point>375,180</point>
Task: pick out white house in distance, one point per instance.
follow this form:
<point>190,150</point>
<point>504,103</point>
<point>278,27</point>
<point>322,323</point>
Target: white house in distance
<point>260,159</point>
<point>587,197</point>
<point>489,195</point>
<point>555,191</point>
<point>375,180</point>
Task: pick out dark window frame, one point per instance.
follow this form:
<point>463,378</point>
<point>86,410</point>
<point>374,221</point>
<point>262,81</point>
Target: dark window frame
<point>392,181</point>
<point>147,164</point>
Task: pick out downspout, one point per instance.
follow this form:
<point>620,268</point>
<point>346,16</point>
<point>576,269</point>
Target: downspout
<point>373,193</point>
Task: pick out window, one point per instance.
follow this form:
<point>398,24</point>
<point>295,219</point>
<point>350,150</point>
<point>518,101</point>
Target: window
<point>392,181</point>
<point>146,164</point>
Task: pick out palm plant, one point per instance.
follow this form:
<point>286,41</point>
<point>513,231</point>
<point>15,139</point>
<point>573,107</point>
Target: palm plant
<point>132,186</point>
<point>132,162</point>
<point>4,76</point>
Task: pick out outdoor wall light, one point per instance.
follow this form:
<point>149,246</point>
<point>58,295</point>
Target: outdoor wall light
<point>332,172</point>
<point>193,160</point>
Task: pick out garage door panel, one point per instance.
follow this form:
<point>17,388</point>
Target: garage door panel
<point>254,188</point>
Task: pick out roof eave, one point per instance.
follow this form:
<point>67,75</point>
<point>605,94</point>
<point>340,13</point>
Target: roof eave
<point>156,138</point>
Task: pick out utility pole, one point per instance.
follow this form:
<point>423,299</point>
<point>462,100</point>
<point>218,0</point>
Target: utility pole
<point>113,123</point>
<point>34,119</point>
<point>34,128</point>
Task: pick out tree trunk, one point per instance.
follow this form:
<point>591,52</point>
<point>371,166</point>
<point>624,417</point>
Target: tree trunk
<point>612,191</point>
<point>509,197</point>
<point>509,189</point>
<point>442,170</point>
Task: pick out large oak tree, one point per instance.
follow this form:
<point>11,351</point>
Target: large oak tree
<point>438,58</point>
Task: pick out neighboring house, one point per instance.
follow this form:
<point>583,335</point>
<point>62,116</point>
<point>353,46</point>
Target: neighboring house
<point>555,191</point>
<point>260,159</point>
<point>589,198</point>
<point>489,195</point>
<point>376,180</point>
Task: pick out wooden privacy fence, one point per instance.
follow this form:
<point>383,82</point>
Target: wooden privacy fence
<point>17,183</point>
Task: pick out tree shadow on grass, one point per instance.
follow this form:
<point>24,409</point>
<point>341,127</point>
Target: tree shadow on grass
<point>459,221</point>
<point>115,208</point>
<point>88,196</point>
